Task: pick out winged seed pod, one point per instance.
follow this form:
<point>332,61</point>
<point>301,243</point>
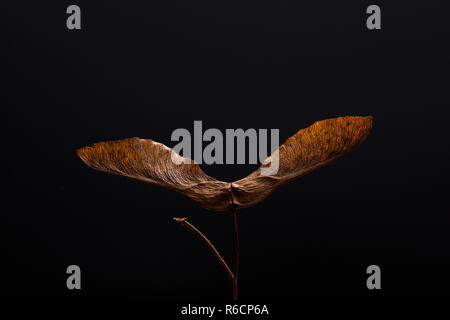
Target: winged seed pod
<point>150,161</point>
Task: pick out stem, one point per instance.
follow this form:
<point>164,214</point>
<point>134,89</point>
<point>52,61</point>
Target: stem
<point>234,278</point>
<point>184,222</point>
<point>236,253</point>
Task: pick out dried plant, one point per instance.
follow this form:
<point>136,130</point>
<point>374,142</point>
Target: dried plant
<point>149,161</point>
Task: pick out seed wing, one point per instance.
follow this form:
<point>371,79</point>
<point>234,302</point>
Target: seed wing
<point>155,163</point>
<point>309,149</point>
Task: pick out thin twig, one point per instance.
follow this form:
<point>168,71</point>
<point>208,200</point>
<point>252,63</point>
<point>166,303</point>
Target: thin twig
<point>184,222</point>
<point>236,253</point>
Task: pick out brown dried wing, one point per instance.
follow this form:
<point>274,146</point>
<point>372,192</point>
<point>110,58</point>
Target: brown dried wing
<point>307,150</point>
<point>149,161</point>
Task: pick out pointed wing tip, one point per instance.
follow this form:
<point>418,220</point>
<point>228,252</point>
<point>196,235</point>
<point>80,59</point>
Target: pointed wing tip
<point>369,120</point>
<point>366,124</point>
<point>84,151</point>
<point>83,154</point>
<point>359,125</point>
<point>98,151</point>
<point>361,121</point>
<point>366,120</point>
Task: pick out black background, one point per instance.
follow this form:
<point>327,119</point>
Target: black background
<point>146,68</point>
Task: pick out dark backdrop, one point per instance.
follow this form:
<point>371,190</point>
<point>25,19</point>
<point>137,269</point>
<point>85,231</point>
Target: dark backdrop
<point>146,68</point>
